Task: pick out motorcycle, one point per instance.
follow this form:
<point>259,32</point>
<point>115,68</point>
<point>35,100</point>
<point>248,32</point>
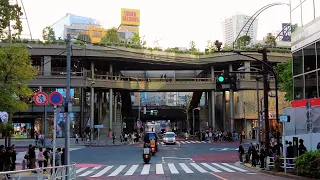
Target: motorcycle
<point>153,150</point>
<point>146,154</point>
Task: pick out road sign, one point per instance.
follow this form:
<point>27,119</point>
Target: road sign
<point>98,126</point>
<point>55,98</point>
<point>40,98</point>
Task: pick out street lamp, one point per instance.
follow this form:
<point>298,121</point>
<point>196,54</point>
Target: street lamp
<point>264,72</point>
<point>193,119</point>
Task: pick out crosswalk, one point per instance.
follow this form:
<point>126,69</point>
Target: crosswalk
<point>188,142</point>
<point>156,169</point>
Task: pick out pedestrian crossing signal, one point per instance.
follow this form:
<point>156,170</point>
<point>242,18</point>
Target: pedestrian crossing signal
<point>221,79</point>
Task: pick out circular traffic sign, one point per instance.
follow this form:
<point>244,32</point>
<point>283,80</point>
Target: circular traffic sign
<point>55,98</point>
<point>40,98</point>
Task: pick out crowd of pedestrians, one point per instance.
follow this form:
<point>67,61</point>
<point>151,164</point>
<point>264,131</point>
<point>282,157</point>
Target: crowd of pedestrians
<point>8,158</point>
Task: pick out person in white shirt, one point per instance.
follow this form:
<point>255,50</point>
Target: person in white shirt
<point>210,136</point>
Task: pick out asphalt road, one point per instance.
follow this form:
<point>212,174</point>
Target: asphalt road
<point>185,160</point>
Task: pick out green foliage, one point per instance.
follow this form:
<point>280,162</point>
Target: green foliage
<point>284,72</point>
<point>112,36</point>
<point>210,47</point>
<point>308,164</point>
<point>270,41</point>
<point>48,35</point>
<point>227,48</point>
<point>6,126</point>
<point>16,71</point>
<point>83,38</point>
<point>192,47</point>
<point>278,162</point>
<point>243,41</point>
<point>10,16</point>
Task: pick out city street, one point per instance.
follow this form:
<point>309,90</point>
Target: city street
<point>185,160</point>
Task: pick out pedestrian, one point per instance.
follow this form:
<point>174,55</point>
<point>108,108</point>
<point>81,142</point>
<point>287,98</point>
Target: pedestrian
<point>302,149</point>
<point>77,140</point>
<point>40,158</point>
<point>6,160</point>
<point>113,138</point>
<point>13,158</point>
<point>32,158</point>
<point>241,152</point>
<point>2,152</point>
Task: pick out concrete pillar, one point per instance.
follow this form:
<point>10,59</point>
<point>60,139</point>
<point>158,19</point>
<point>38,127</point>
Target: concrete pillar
<point>224,110</point>
<point>92,111</point>
<point>231,100</point>
<point>92,70</point>
<point>247,64</point>
<point>230,67</point>
<point>213,103</point>
<point>47,65</point>
<point>209,109</point>
<point>115,107</point>
<point>100,106</point>
<point>110,69</point>
<point>110,108</point>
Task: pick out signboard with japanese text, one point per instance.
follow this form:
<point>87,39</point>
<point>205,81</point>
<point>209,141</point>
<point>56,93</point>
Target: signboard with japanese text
<point>130,17</point>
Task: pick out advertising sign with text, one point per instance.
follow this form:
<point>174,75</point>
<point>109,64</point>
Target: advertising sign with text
<point>130,17</point>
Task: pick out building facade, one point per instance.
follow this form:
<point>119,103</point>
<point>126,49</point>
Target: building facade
<point>72,22</point>
<point>305,111</point>
<point>231,27</point>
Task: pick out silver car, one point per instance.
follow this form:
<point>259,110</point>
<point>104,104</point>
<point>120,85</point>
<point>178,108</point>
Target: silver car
<point>169,138</point>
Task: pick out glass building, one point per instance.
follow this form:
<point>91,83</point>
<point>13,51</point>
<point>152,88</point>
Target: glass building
<point>305,21</point>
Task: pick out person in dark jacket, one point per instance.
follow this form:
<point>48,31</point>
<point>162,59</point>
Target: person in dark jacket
<point>2,151</point>
<point>13,158</point>
<point>63,162</point>
<point>32,157</point>
<point>241,152</point>
<point>7,159</point>
<point>302,149</point>
<point>290,153</point>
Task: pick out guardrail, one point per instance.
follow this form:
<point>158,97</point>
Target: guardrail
<point>285,163</point>
<point>61,172</point>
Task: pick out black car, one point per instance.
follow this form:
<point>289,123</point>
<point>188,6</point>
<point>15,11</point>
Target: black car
<point>148,136</point>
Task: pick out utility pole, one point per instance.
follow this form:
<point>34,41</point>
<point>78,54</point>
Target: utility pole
<point>265,99</point>
<point>68,105</point>
<point>245,120</point>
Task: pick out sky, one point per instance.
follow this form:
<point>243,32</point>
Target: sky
<point>173,22</point>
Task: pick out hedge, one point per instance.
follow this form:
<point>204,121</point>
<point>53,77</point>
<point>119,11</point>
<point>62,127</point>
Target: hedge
<point>308,165</point>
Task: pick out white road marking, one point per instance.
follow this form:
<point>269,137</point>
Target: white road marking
<point>146,169</point>
<point>200,169</point>
<point>159,169</point>
<point>91,171</point>
<point>185,168</point>
<point>131,170</point>
<point>118,170</point>
<point>103,171</point>
<point>210,167</point>
<point>81,169</point>
<point>222,167</point>
<point>233,167</point>
<point>172,168</point>
<point>224,149</point>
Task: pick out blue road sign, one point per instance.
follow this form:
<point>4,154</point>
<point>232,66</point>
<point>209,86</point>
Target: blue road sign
<point>55,98</point>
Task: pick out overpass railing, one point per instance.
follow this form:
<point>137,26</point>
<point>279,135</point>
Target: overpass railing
<point>139,79</point>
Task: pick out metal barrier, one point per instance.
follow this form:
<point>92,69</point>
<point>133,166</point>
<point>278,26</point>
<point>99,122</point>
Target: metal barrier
<point>286,163</point>
<point>61,172</point>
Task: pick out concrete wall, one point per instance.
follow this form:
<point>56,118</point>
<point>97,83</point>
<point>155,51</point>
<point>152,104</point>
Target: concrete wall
<point>314,138</point>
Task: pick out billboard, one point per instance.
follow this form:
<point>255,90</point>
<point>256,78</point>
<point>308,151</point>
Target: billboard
<point>129,28</point>
<point>130,17</point>
<point>96,34</point>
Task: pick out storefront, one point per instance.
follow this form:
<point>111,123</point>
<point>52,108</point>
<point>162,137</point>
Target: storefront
<point>21,130</point>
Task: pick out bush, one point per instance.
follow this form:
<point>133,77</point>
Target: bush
<point>278,162</point>
<point>308,164</point>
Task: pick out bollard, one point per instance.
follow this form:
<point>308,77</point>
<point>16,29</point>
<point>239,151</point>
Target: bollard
<point>23,164</point>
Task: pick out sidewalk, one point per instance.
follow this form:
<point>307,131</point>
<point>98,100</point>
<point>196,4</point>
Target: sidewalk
<point>24,143</point>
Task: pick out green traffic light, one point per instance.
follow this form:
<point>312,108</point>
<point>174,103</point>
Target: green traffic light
<point>221,79</point>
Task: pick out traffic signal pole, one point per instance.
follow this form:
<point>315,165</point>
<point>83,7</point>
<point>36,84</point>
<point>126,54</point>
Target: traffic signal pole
<point>265,100</point>
<point>68,103</point>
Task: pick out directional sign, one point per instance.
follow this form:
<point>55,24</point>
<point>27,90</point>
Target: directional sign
<point>55,98</point>
<point>98,126</point>
<point>40,98</point>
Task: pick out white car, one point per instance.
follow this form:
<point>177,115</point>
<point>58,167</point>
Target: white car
<point>169,138</point>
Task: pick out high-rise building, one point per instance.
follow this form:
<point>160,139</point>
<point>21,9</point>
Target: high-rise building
<point>231,27</point>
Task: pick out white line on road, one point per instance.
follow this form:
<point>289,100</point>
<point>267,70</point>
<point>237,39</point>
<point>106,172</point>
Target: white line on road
<point>159,169</point>
<point>146,169</point>
<point>233,167</point>
<point>118,170</point>
<point>81,169</point>
<point>103,171</point>
<point>210,167</point>
<point>185,168</point>
<point>200,169</point>
<point>89,172</point>
<point>173,169</point>
<point>222,167</point>
<point>224,149</point>
<point>131,170</point>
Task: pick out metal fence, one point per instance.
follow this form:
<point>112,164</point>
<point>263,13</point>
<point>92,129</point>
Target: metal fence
<point>59,172</point>
<point>286,163</point>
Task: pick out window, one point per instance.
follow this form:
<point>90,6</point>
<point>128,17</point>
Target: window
<point>307,12</point>
<point>311,85</point>
<point>298,83</point>
<point>294,3</point>
<point>317,8</point>
<point>297,63</point>
<point>296,19</point>
<point>318,53</point>
<point>309,54</point>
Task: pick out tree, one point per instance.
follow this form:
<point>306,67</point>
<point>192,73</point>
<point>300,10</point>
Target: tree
<point>243,41</point>
<point>83,38</point>
<point>112,36</point>
<point>192,46</point>
<point>10,22</point>
<point>285,80</point>
<point>210,47</point>
<point>16,71</point>
<point>186,108</point>
<point>270,41</point>
<point>137,40</point>
<point>48,35</point>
